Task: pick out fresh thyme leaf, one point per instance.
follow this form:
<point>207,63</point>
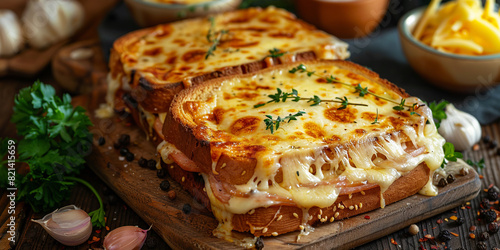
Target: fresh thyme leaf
<point>438,111</point>
<point>332,79</point>
<point>273,125</point>
<point>362,91</point>
<point>315,100</point>
<point>376,119</point>
<point>275,53</point>
<point>478,165</point>
<point>301,68</point>
<point>450,154</point>
<point>343,102</point>
<point>213,37</point>
<point>400,106</point>
<point>55,141</point>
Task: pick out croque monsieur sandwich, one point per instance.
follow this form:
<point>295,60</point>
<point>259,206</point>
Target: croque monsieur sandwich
<point>300,144</point>
<point>149,66</point>
<point>266,135</point>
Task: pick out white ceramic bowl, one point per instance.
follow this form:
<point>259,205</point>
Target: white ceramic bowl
<point>457,73</point>
<point>151,13</point>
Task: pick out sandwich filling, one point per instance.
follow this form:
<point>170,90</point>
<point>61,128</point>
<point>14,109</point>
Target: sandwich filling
<point>345,131</point>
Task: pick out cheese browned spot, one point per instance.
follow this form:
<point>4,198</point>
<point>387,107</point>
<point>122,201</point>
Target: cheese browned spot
<point>305,161</point>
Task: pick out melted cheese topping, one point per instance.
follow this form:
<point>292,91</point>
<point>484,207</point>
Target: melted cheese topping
<point>304,160</point>
<point>177,51</point>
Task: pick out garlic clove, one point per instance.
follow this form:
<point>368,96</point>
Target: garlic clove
<point>46,22</point>
<point>460,128</point>
<point>125,238</point>
<point>11,35</point>
<point>69,225</point>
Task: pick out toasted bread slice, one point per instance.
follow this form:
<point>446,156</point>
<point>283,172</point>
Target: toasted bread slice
<point>347,142</point>
<point>154,64</point>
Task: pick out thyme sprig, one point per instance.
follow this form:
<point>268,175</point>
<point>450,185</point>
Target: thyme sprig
<point>276,53</point>
<point>357,89</point>
<point>281,96</point>
<point>214,37</point>
<point>376,119</point>
<point>273,125</point>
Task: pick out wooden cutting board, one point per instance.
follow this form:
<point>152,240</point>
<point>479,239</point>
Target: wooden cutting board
<point>140,189</point>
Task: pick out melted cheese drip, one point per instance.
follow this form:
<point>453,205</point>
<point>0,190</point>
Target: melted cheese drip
<point>351,149</point>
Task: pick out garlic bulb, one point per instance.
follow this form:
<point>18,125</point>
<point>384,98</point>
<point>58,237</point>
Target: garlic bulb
<point>11,35</point>
<point>125,238</point>
<point>69,225</point>
<point>49,21</point>
<point>460,128</point>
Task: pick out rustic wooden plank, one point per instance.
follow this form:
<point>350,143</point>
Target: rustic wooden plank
<point>139,188</point>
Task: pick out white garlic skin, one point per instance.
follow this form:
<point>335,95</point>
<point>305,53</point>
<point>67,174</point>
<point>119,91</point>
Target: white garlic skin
<point>46,22</point>
<point>125,238</point>
<point>69,225</point>
<point>460,128</point>
<point>11,34</point>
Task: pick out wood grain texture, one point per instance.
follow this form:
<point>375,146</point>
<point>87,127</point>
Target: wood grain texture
<point>140,189</point>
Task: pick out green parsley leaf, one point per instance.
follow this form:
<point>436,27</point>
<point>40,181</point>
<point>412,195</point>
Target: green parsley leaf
<point>479,165</point>
<point>438,111</point>
<point>450,154</point>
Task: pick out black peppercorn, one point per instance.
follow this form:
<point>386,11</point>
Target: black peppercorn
<point>152,164</point>
<point>259,243</point>
<point>143,163</point>
<point>485,203</point>
<point>124,140</point>
<point>493,144</point>
<point>459,221</point>
<point>484,236</point>
<point>442,182</point>
<point>481,245</point>
<point>164,185</point>
<point>124,151</point>
<point>186,208</point>
<point>129,156</point>
<point>101,141</point>
<point>489,216</point>
<point>151,242</point>
<point>493,194</point>
<point>493,227</point>
<point>444,236</point>
<point>486,139</point>
<point>450,178</point>
<point>161,173</point>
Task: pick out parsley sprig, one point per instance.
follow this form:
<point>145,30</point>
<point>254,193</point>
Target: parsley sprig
<point>55,141</point>
<point>281,96</point>
<point>214,37</point>
<point>273,125</point>
<point>478,165</point>
<point>301,68</point>
<point>438,111</point>
<point>450,154</point>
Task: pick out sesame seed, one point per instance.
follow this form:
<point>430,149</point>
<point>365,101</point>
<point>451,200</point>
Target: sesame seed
<point>360,205</point>
<point>204,190</point>
<point>311,170</point>
<point>332,219</point>
<point>301,227</point>
<point>264,230</point>
<point>321,211</point>
<point>341,206</point>
<point>363,192</point>
<point>244,172</point>
<point>223,165</point>
<point>323,220</point>
<point>279,217</point>
<point>356,207</point>
<point>351,207</point>
<point>274,234</point>
<point>171,166</point>
<point>319,216</point>
<point>334,208</point>
<point>350,196</point>
<point>183,179</point>
<point>336,214</point>
<point>295,215</point>
<point>251,211</point>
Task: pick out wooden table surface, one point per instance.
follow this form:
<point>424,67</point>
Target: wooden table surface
<point>31,236</point>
